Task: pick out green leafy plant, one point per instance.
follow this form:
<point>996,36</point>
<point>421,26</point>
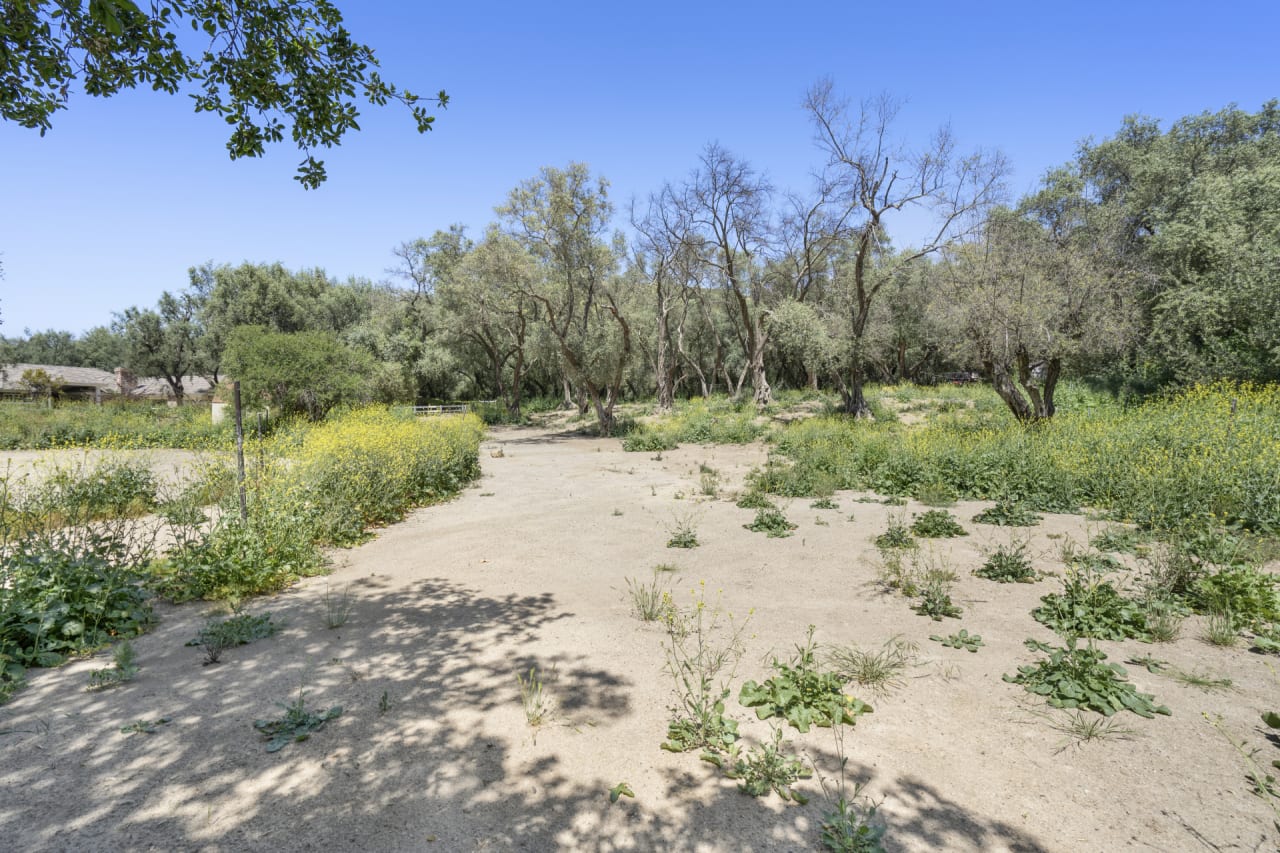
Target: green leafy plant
<point>755,499</point>
<point>772,523</point>
<point>1008,564</point>
<point>683,532</point>
<point>240,629</point>
<point>960,640</point>
<point>896,537</point>
<point>764,768</point>
<point>937,524</point>
<point>803,694</point>
<point>145,727</point>
<point>622,789</point>
<point>1007,513</point>
<point>1089,560</point>
<point>879,670</point>
<point>64,592</point>
<point>848,827</point>
<point>1266,639</point>
<point>935,493</point>
<point>1089,606</point>
<point>1250,595</point>
<point>1076,677</point>
<point>1149,662</point>
<point>824,503</point>
<point>646,440</point>
<point>703,647</point>
<point>1119,539</point>
<point>935,601</point>
<point>295,725</point>
<point>124,667</point>
<point>1267,784</point>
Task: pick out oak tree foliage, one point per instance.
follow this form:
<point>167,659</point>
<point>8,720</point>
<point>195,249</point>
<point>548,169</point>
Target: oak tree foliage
<point>270,69</point>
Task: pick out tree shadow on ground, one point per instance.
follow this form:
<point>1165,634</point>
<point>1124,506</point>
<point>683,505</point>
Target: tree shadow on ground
<point>432,750</point>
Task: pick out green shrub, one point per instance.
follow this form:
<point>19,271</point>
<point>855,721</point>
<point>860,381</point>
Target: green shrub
<point>1089,606</point>
<point>803,694</point>
<point>238,630</point>
<point>117,424</point>
<point>772,523</point>
<point>1250,595</point>
<point>753,499</point>
<point>1072,677</point>
<point>54,604</point>
<point>1206,455</point>
<point>896,537</point>
<point>937,524</point>
<point>324,486</point>
<point>935,601</point>
<point>1008,564</point>
<point>1007,514</point>
<point>647,440</point>
<point>764,768</point>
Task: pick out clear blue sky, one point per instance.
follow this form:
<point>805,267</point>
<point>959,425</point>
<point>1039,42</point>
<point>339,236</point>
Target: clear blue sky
<point>123,195</point>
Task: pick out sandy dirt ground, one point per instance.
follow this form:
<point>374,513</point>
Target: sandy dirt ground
<point>527,569</point>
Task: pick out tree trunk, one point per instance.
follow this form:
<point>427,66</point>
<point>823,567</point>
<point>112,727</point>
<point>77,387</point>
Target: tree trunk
<point>1040,388</point>
<point>604,410</point>
<point>759,383</point>
<point>1002,382</point>
<point>1039,380</point>
<point>568,393</point>
<point>662,370</point>
<point>517,379</point>
<point>853,399</point>
<point>855,403</point>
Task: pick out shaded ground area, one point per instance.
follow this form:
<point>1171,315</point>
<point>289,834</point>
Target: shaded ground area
<point>527,569</point>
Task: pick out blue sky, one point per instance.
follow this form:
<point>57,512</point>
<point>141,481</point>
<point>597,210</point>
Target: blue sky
<point>114,204</point>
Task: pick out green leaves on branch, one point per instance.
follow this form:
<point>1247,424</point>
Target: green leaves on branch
<point>270,68</point>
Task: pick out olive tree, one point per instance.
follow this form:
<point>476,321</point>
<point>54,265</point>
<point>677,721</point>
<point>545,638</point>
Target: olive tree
<point>1038,290</point>
<point>486,303</point>
<point>561,217</point>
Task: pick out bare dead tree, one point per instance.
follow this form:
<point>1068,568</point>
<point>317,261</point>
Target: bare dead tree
<point>725,204</point>
<point>880,176</point>
<point>663,251</point>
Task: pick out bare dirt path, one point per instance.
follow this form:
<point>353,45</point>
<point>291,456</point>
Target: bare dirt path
<point>527,569</point>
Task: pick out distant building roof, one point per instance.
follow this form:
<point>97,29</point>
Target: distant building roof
<point>86,379</point>
<point>73,378</point>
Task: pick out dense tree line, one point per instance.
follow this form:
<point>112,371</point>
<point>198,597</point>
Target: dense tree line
<point>1152,258</point>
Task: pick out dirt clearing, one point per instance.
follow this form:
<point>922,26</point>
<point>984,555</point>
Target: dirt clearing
<point>528,569</point>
